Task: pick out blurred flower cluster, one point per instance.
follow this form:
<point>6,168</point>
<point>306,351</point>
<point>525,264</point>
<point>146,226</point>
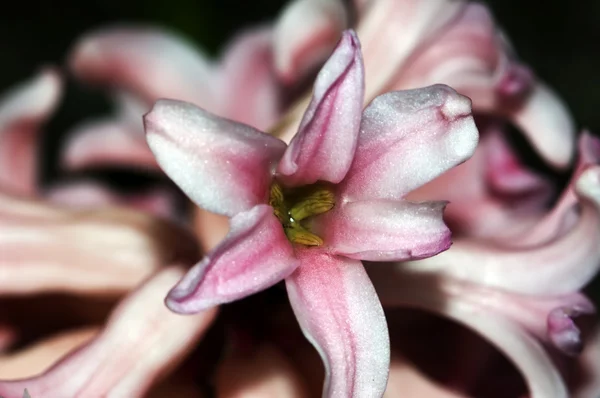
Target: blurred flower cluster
<point>362,152</point>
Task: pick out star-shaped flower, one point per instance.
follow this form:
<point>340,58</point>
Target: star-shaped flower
<point>309,212</point>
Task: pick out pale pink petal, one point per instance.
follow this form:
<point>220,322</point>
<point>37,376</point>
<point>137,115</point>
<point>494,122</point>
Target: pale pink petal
<point>255,255</point>
<point>474,58</point>
<point>38,357</point>
<point>491,195</point>
<point>150,62</point>
<point>22,112</point>
<point>90,195</point>
<point>104,143</point>
<point>248,89</point>
<point>265,372</point>
<point>223,166</point>
<point>325,143</point>
<point>305,34</point>
<point>391,30</point>
<point>140,344</point>
<point>563,264</point>
<point>385,230</point>
<point>408,138</point>
<point>402,288</point>
<point>52,249</point>
<point>339,313</point>
<point>548,124</point>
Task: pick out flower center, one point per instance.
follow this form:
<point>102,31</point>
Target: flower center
<point>294,207</point>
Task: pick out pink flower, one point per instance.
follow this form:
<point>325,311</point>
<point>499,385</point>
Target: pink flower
<point>310,212</point>
<point>141,343</point>
<point>521,292</point>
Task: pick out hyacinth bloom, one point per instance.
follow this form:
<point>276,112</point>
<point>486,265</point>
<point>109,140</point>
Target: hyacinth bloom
<point>522,293</point>
<point>143,64</point>
<point>141,342</point>
<point>310,212</point>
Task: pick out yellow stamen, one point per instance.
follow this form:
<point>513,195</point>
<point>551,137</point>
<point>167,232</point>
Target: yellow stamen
<point>317,202</point>
<point>277,202</point>
<point>298,234</point>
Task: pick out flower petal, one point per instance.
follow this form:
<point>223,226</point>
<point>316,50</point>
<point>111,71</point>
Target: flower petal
<point>50,249</point>
<point>223,166</point>
<point>491,195</point>
<point>305,34</point>
<point>384,230</point>
<point>474,58</point>
<point>325,143</point>
<point>141,342</point>
<point>255,255</point>
<point>150,62</point>
<point>22,111</point>
<point>560,265</point>
<point>400,288</point>
<point>88,195</point>
<point>391,30</point>
<point>248,89</point>
<point>339,312</point>
<point>408,138</point>
<point>107,143</point>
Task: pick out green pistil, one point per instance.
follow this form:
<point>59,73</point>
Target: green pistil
<point>306,202</point>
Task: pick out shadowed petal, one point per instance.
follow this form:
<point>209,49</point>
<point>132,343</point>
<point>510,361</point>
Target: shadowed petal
<point>339,313</point>
<point>563,263</point>
<point>408,138</point>
<point>51,249</point>
<point>266,372</point>
<point>141,342</point>
<point>248,89</point>
<point>491,195</point>
<point>384,230</point>
<point>305,34</point>
<point>406,24</point>
<point>107,142</point>
<point>255,255</point>
<point>22,111</point>
<point>150,62</point>
<point>88,195</point>
<point>403,289</point>
<point>325,143</point>
<point>223,166</point>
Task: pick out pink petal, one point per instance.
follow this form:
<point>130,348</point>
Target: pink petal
<point>339,313</point>
<point>107,143</point>
<point>560,265</point>
<point>384,230</point>
<point>150,62</point>
<point>223,166</point>
<point>562,329</point>
<point>22,111</point>
<point>90,195</point>
<point>141,342</point>
<point>248,89</point>
<point>254,256</point>
<point>391,30</point>
<point>325,143</point>
<point>305,34</point>
<point>408,138</point>
<point>51,249</point>
<point>547,122</point>
<point>491,195</point>
<point>472,57</point>
<point>401,288</point>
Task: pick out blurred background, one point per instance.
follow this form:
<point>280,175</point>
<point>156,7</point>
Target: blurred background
<point>559,40</point>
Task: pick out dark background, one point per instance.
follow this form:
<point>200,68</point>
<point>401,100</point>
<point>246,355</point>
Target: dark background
<point>559,39</point>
